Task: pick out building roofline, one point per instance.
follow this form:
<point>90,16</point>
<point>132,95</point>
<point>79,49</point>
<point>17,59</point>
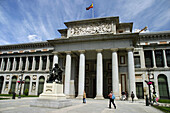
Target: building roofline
<point>155,33</point>
<point>92,20</point>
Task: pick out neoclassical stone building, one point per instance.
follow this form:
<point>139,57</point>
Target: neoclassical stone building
<point>97,55</point>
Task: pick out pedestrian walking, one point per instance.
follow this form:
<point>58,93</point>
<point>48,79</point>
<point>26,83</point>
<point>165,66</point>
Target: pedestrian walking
<point>84,97</point>
<point>111,98</point>
<point>132,96</point>
<point>127,95</point>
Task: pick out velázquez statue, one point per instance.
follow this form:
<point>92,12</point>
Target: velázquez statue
<point>55,75</point>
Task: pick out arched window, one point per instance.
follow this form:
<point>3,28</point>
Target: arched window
<point>1,83</point>
<point>163,86</point>
<point>27,83</point>
<point>13,84</point>
<point>41,85</point>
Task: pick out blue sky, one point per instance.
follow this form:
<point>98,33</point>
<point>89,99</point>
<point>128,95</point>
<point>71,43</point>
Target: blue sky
<point>23,21</point>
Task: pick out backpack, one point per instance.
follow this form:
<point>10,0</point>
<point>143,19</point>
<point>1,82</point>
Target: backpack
<point>113,97</point>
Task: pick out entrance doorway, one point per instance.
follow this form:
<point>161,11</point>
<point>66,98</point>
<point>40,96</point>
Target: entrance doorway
<point>41,85</point>
<point>139,90</point>
<point>163,87</point>
<point>13,84</point>
<point>27,84</point>
<point>1,83</point>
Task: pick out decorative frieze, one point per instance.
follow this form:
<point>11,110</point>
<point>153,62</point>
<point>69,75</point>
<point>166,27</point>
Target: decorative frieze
<point>95,28</point>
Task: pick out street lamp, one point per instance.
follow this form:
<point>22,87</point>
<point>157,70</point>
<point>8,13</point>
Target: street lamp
<point>149,83</point>
<point>20,82</point>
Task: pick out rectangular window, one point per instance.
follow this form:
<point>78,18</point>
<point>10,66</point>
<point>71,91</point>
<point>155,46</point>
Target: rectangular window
<point>37,60</point>
<point>0,62</point>
<point>23,62</point>
<point>159,58</point>
<point>44,58</point>
<point>30,59</point>
<point>168,57</point>
<point>122,59</point>
<point>51,62</point>
<point>148,58</point>
<point>137,61</point>
<point>11,60</point>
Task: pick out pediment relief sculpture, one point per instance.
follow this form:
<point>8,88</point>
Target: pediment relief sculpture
<point>97,28</point>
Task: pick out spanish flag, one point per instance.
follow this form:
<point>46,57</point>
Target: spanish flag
<point>91,6</point>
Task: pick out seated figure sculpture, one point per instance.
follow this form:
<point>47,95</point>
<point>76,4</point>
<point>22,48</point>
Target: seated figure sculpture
<point>55,75</point>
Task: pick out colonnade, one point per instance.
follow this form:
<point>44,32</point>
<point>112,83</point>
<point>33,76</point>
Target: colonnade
<point>27,63</point>
<point>99,73</point>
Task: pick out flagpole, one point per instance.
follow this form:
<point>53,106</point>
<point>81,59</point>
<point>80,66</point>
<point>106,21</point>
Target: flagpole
<point>92,13</point>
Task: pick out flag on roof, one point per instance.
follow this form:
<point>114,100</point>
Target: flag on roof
<point>91,6</point>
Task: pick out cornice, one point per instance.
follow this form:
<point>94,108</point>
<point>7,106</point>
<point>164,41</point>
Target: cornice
<point>25,45</point>
<point>97,37</point>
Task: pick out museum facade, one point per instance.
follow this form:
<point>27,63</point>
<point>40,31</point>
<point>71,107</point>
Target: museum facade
<point>97,55</point>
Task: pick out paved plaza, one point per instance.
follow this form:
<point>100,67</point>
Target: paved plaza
<point>92,106</point>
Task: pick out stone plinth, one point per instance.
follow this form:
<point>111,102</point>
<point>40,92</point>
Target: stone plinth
<point>52,97</point>
<point>53,91</point>
<point>49,103</point>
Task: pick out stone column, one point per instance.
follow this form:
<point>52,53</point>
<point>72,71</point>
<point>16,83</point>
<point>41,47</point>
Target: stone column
<point>8,65</point>
<point>81,74</point>
<point>165,61</point>
<point>14,64</point>
<point>33,64</point>
<point>142,59</point>
<point>114,28</point>
<point>67,74</point>
<point>115,73</point>
<point>4,85</point>
<point>99,80</point>
<point>55,58</point>
<point>26,64</point>
<point>20,64</point>
<point>47,63</point>
<point>40,64</point>
<point>154,61</point>
<point>131,72</point>
<point>2,64</point>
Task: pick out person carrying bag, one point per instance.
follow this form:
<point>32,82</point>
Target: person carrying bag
<point>111,97</point>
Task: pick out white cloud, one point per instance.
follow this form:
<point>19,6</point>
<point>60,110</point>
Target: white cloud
<point>4,42</point>
<point>34,38</point>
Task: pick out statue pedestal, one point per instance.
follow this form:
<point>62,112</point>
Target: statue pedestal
<point>52,97</point>
<point>53,91</point>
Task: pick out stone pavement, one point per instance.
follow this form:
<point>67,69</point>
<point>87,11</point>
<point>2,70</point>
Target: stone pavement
<point>92,106</point>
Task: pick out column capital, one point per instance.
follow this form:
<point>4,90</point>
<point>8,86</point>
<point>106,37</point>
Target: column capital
<point>68,52</point>
<point>81,51</point>
<point>114,49</point>
<point>129,49</point>
<point>55,53</point>
<point>99,50</point>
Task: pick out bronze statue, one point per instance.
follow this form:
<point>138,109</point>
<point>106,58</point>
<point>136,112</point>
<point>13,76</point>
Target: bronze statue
<point>55,75</point>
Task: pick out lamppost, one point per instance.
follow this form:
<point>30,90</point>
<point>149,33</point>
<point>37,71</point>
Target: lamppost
<point>149,83</point>
<point>20,82</point>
